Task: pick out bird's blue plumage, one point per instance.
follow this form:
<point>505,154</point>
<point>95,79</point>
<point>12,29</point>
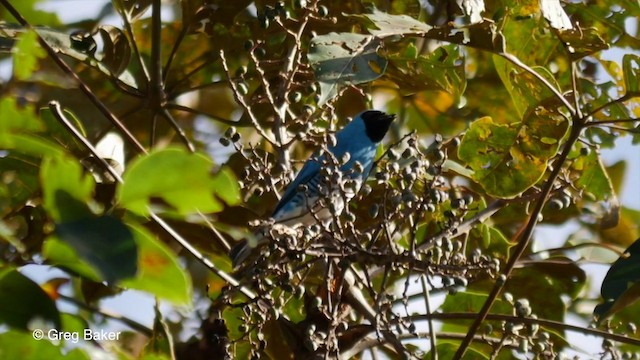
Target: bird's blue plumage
<point>359,139</point>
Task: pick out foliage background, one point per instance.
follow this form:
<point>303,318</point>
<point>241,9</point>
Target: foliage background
<point>54,197</point>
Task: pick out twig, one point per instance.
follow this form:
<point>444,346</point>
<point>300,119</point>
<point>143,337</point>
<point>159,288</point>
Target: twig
<point>132,40</point>
<point>623,98</point>
<point>247,108</point>
<point>612,121</point>
<point>174,51</point>
<point>181,134</point>
<point>130,323</point>
<point>529,320</point>
<point>466,225</point>
<point>198,112</point>
<point>427,302</point>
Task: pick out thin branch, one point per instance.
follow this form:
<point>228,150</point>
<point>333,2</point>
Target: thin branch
<point>574,85</point>
<point>174,51</point>
<point>245,106</point>
<point>199,112</point>
<point>134,45</point>
<point>427,302</point>
<point>612,121</point>
<point>579,246</point>
<point>529,320</point>
<point>174,86</point>
<point>623,98</point>
<point>130,323</point>
<point>466,225</point>
<point>181,134</point>
<point>156,52</point>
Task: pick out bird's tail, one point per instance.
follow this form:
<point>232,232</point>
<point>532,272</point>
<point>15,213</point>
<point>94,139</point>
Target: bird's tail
<point>241,251</point>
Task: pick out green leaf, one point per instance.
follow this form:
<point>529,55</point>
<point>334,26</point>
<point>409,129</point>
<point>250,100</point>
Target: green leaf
<point>59,133</point>
<point>344,59</point>
<point>593,177</point>
<point>159,271</point>
<point>582,42</point>
<point>526,90</point>
<point>390,25</point>
<point>509,159</point>
<point>631,72</point>
<point>17,119</point>
<point>482,35</point>
<point>180,178</point>
<point>226,186</point>
<point>22,345</point>
<point>23,302</point>
<point>27,55</point>
<point>66,188</point>
<point>29,145</point>
<point>621,286</point>
<point>63,255</point>
<point>19,182</point>
<point>294,308</point>
<point>104,243</point>
<point>29,9</point>
<point>442,69</point>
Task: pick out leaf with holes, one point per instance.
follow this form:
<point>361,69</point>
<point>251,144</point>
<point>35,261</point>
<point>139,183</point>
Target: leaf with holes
<point>507,159</point>
<point>344,59</point>
<point>631,72</point>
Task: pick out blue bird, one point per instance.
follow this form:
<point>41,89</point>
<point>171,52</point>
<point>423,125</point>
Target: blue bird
<point>355,144</point>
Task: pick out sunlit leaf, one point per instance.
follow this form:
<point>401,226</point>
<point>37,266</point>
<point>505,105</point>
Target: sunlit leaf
<point>594,178</point>
<point>384,24</point>
<point>22,345</point>
<point>508,159</point>
<point>181,179</point>
<point>66,188</point>
<point>443,69</point>
<point>60,253</point>
<point>526,91</point>
<point>159,271</point>
<point>343,59</point>
<point>27,54</point>
<point>631,72</point>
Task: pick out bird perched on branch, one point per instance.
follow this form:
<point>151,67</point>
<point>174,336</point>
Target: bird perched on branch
<point>352,154</point>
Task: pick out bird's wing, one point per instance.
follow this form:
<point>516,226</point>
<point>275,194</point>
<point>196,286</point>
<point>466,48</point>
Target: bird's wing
<point>309,172</point>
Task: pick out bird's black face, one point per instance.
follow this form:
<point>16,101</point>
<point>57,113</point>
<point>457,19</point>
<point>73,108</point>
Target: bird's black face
<point>376,124</point>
